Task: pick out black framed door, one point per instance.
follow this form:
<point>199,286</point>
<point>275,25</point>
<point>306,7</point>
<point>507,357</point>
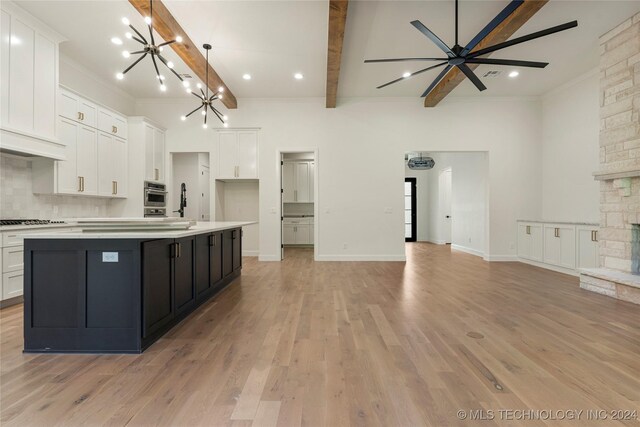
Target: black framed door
<point>410,210</point>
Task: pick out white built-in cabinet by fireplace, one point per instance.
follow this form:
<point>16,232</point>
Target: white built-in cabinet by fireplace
<point>565,247</point>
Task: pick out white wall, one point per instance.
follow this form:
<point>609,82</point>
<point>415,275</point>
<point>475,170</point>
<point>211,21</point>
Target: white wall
<point>241,202</point>
<point>570,151</point>
<point>76,77</point>
<point>360,146</point>
<point>469,200</point>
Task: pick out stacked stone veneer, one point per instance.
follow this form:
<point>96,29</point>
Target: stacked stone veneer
<point>619,158</point>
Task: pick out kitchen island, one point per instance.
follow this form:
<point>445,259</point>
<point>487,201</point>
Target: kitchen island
<point>116,291</point>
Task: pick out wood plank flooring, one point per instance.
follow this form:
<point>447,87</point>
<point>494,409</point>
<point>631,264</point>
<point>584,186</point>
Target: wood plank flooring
<point>351,344</point>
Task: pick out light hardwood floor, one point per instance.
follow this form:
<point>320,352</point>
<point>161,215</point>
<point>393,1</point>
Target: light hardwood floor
<point>353,343</point>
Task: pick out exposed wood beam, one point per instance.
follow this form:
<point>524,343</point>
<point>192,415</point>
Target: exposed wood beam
<point>337,22</point>
<point>500,34</point>
<point>168,28</point>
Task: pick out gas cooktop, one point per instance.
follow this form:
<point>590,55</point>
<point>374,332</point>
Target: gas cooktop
<point>30,221</point>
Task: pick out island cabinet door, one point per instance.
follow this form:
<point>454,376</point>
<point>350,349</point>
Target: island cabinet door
<point>227,252</point>
<point>236,236</point>
<point>215,260</point>
<point>203,255</point>
<point>157,281</point>
<point>184,284</point>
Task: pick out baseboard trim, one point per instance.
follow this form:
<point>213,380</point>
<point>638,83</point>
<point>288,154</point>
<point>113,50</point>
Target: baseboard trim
<point>467,250</point>
<point>400,258</point>
<point>269,258</point>
<point>550,267</point>
<point>435,242</point>
<point>250,253</point>
<point>501,258</point>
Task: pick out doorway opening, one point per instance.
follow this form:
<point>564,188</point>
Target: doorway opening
<point>191,186</point>
<point>410,210</point>
<point>298,203</point>
<point>452,199</point>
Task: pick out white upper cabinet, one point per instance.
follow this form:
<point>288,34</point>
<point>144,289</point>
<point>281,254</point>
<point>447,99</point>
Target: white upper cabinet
<point>297,181</point>
<point>148,144</point>
<point>74,107</point>
<point>237,155</point>
<point>95,160</point>
<point>28,84</point>
<point>112,123</point>
<point>112,165</point>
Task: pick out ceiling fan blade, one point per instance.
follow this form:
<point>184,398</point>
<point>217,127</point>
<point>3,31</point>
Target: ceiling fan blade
<point>513,62</point>
<point>368,61</point>
<point>472,76</point>
<point>412,74</point>
<point>523,39</point>
<point>437,80</point>
<point>427,32</point>
<point>504,14</point>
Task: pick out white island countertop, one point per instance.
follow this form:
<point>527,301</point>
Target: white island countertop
<point>155,233</point>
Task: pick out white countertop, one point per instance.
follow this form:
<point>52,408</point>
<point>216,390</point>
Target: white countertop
<point>559,222</point>
<point>199,228</point>
<point>23,227</point>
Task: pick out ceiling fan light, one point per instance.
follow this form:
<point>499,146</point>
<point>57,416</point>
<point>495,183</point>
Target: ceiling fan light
<point>183,118</point>
<point>220,96</point>
<point>119,76</point>
<point>246,76</point>
<point>179,39</point>
<point>203,112</point>
<point>128,35</point>
<point>185,83</point>
<point>126,53</point>
<point>163,88</point>
<point>188,90</point>
<point>226,125</point>
<point>204,126</point>
<point>225,118</point>
<point>170,64</point>
<point>199,86</point>
<point>514,74</point>
<point>406,74</point>
<point>125,21</point>
<point>298,76</point>
<point>221,89</point>
<point>147,20</point>
<point>116,40</point>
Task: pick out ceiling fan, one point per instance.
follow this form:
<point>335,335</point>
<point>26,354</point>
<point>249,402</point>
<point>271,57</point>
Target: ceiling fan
<point>459,56</point>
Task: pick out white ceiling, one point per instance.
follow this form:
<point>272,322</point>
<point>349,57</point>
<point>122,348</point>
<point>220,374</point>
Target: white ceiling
<point>272,40</point>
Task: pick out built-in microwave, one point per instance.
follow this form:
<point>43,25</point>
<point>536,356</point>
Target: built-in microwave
<point>155,195</point>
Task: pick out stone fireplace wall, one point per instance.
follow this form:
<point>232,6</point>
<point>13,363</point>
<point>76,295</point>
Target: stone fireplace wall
<point>619,144</point>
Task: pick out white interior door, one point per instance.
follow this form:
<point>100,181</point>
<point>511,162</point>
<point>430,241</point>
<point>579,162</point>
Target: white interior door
<point>445,205</point>
<point>288,182</point>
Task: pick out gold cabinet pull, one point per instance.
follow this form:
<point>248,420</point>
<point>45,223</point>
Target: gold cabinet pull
<point>79,184</point>
<point>594,235</point>
<point>556,232</point>
<point>113,187</point>
<point>79,115</point>
<point>528,229</point>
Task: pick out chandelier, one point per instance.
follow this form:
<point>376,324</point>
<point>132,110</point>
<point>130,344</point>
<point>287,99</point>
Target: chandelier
<point>206,101</point>
<point>149,48</point>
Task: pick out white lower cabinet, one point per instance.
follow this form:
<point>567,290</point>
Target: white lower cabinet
<point>567,247</point>
<point>297,231</point>
<point>530,241</point>
<point>587,247</point>
<point>12,284</point>
<point>560,245</point>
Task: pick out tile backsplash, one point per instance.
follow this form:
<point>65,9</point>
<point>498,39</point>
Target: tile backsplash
<point>18,201</point>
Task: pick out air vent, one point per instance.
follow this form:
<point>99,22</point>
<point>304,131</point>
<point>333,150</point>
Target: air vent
<point>491,74</point>
<point>186,76</point>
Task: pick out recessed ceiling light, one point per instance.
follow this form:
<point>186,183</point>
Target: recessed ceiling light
<point>406,74</point>
<point>116,40</point>
<point>514,74</point>
<point>298,76</point>
<point>246,76</point>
